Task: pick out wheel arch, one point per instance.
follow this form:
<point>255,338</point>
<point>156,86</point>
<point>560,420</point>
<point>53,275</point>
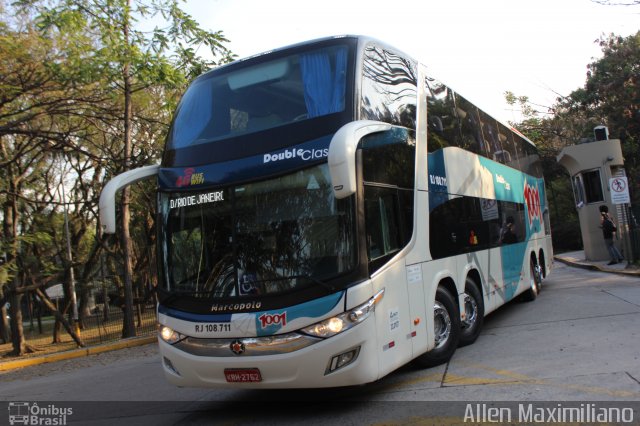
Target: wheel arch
<point>449,284</point>
<point>474,274</point>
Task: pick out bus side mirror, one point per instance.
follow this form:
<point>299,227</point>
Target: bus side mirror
<point>342,154</point>
<point>107,204</point>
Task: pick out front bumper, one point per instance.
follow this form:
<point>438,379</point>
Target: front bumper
<point>303,367</point>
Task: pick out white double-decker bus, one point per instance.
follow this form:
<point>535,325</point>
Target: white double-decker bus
<point>328,212</point>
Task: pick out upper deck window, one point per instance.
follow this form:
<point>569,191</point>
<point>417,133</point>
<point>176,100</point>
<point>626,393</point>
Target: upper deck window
<point>260,96</point>
<point>389,87</point>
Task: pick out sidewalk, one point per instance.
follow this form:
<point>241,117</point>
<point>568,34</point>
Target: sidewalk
<point>577,259</point>
<point>12,364</point>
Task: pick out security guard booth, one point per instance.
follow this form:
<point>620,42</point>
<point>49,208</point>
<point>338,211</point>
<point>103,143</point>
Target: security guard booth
<point>592,165</point>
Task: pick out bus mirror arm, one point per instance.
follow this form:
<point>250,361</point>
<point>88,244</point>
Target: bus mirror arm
<point>107,204</point>
<point>342,154</point>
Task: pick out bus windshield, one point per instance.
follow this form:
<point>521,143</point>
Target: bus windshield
<point>261,238</point>
<point>245,98</point>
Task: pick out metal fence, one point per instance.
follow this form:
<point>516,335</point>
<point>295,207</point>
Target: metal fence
<point>631,235</point>
<point>102,321</point>
<point>106,326</point>
<point>100,326</point>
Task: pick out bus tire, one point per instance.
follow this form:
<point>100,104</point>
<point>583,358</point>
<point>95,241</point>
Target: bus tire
<point>474,314</point>
<point>543,265</point>
<point>446,326</point>
<point>534,282</point>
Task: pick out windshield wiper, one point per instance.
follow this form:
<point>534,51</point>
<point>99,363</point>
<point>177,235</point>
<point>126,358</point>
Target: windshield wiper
<point>322,284</point>
<point>171,297</point>
<point>174,295</point>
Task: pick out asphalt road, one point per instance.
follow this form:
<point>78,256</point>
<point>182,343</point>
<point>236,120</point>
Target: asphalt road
<point>579,341</point>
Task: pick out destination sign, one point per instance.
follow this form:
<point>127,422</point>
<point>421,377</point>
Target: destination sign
<point>197,199</point>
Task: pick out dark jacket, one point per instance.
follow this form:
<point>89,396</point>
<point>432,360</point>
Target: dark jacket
<point>608,228</point>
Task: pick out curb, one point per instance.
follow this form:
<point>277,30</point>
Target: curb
<point>77,353</point>
<point>592,267</point>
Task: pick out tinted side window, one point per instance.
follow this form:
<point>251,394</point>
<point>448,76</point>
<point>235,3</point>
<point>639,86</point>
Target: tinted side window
<point>441,116</point>
<point>388,169</point>
<point>264,95</point>
<point>467,224</point>
<point>388,221</point>
<point>454,121</point>
<point>512,223</point>
<point>389,157</point>
<point>509,155</point>
<point>383,222</point>
<point>472,135</point>
<point>389,87</point>
<point>532,161</point>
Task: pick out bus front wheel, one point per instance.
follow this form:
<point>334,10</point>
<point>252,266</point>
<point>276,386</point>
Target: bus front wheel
<point>446,327</point>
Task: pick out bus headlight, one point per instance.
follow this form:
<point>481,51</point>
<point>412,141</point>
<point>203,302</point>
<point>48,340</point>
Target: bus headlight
<point>169,335</point>
<point>345,321</point>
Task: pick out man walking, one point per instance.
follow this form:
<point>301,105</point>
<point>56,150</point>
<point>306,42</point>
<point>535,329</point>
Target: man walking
<point>608,231</point>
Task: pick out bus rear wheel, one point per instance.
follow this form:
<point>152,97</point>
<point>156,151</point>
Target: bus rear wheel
<point>446,328</point>
<point>474,314</point>
<point>534,282</point>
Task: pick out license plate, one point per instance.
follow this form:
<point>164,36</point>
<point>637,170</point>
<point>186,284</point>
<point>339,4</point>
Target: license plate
<point>212,328</point>
<point>242,375</point>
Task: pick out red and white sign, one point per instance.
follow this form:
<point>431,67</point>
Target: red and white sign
<point>271,319</point>
<point>532,198</point>
<point>242,375</point>
<point>619,190</point>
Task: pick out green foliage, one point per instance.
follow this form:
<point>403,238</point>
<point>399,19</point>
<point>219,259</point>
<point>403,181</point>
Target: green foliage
<point>70,72</point>
<point>526,108</point>
<point>165,55</point>
<point>610,96</point>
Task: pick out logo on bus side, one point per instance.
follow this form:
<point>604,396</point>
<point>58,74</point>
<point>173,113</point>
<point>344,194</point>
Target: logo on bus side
<point>190,177</point>
<point>273,319</point>
<point>302,154</point>
<point>532,199</point>
<point>237,347</point>
<point>235,306</point>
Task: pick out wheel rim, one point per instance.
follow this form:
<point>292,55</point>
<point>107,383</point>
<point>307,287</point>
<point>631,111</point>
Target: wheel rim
<point>441,324</point>
<point>534,281</point>
<point>471,311</point>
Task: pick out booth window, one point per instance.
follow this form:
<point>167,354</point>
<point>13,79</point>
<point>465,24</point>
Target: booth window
<point>587,187</point>
<point>592,186</point>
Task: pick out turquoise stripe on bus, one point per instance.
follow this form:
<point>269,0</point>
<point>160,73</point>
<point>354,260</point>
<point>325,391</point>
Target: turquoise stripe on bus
<point>270,322</point>
<point>507,182</point>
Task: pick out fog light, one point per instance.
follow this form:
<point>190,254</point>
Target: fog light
<point>169,365</point>
<point>342,360</point>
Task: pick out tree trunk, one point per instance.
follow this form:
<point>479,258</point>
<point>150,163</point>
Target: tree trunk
<point>4,322</point>
<point>128,328</point>
<point>10,229</point>
<point>59,317</point>
<point>38,306</point>
<point>17,332</point>
<point>57,332</point>
<point>4,325</point>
